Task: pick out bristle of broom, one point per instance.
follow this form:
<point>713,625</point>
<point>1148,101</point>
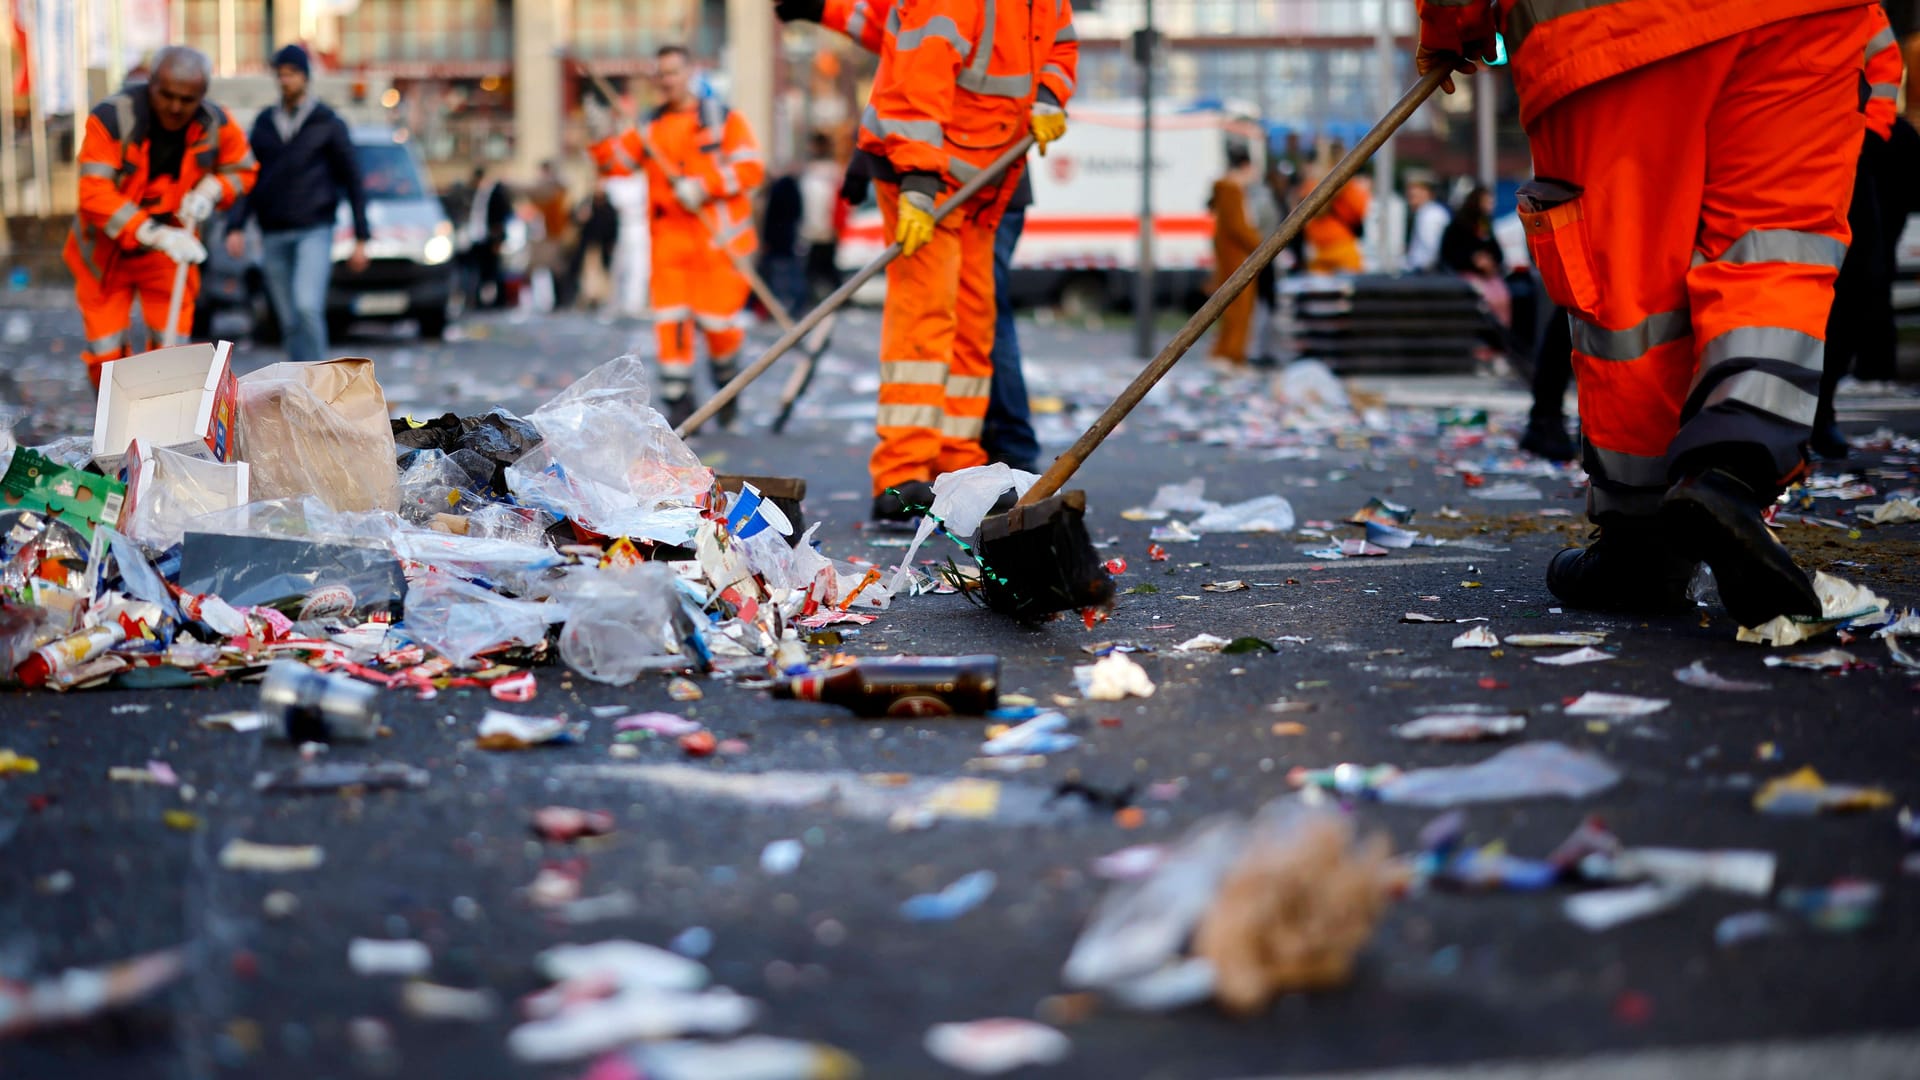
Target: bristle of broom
<point>785,492</point>
<point>1038,559</point>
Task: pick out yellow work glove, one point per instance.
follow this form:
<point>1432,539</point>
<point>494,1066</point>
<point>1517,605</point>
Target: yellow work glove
<point>1048,122</point>
<point>915,225</point>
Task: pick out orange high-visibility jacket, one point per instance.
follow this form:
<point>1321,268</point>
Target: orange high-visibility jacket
<point>1559,46</point>
<point>1886,70</point>
<point>957,78</point>
<point>117,195</point>
<point>710,143</point>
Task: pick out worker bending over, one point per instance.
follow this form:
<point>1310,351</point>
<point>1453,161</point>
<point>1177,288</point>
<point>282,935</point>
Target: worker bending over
<point>1694,160</point>
<point>155,162</point>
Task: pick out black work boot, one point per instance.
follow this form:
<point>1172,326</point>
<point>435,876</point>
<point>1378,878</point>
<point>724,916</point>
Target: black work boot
<point>1716,517</point>
<point>1547,438</point>
<point>901,505</point>
<point>676,400</point>
<point>1631,567</point>
<point>1829,443</point>
<point>723,373</point>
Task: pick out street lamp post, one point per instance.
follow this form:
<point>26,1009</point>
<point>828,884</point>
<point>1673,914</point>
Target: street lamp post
<point>1143,275</point>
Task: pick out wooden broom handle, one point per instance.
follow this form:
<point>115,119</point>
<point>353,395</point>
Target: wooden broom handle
<point>845,292</point>
<point>1068,463</point>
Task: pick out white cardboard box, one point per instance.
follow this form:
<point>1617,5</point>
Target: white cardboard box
<point>183,398</point>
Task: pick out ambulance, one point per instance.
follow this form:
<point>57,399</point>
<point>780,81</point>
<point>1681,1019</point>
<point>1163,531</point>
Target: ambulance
<point>1081,245</point>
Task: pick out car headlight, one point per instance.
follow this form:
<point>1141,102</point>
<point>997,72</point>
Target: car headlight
<point>438,250</point>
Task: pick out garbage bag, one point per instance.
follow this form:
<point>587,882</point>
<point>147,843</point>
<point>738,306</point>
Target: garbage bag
<point>319,429</point>
<point>498,437</point>
<point>460,621</point>
<point>620,623</point>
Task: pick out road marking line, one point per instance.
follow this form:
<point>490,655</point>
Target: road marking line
<point>1373,561</point>
<point>1857,1057</point>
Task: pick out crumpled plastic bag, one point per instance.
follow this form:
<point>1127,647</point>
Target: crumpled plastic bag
<point>1266,513</point>
<point>1297,907</point>
<point>182,488</point>
<point>1840,601</point>
<point>434,483</point>
<point>521,524</point>
<point>319,429</point>
<point>610,463</point>
<point>1531,770</point>
<point>459,620</point>
<point>1312,384</point>
<point>961,500</point>
<point>1140,927</point>
<point>619,623</point>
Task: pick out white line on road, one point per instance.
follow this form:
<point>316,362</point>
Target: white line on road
<point>1375,562</point>
<point>1858,1057</point>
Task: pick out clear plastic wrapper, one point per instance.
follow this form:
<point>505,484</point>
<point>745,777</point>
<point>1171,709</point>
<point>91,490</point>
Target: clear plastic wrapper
<point>520,524</point>
<point>434,483</point>
<point>1267,513</point>
<point>73,451</point>
<point>961,501</point>
<point>459,620</point>
<point>620,623</point>
<point>1141,926</point>
<point>181,489</point>
<point>1529,771</point>
<point>609,462</point>
<point>299,423</point>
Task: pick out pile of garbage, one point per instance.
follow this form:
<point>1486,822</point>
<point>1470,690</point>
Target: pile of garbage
<point>212,525</point>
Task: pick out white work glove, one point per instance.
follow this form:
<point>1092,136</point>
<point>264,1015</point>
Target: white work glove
<point>198,205</point>
<point>177,244</point>
<point>691,193</point>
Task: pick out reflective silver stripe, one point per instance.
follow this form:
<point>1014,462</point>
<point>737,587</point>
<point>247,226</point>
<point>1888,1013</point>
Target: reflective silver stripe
<point>857,21</point>
<point>1884,90</point>
<point>968,386</point>
<point>745,153</point>
<point>1058,72</point>
<point>623,158</point>
<point>982,48</point>
<point>940,26</point>
<point>1767,392</point>
<point>120,218</point>
<point>98,170</point>
<point>1787,246</point>
<point>1633,342</point>
<point>680,313</point>
<point>914,372</point>
<point>1006,86</point>
<point>1763,343</point>
<point>109,343</point>
<point>924,132</point>
<point>717,322</point>
<point>1880,41</point>
<point>1066,33</point>
<point>962,427</point>
<point>920,416</point>
<point>1527,14</point>
<point>729,181</point>
<point>1629,470</point>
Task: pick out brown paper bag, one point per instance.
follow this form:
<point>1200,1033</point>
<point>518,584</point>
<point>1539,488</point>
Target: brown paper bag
<point>319,429</point>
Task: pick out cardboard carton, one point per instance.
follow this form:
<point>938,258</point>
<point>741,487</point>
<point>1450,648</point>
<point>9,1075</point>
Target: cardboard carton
<point>183,399</point>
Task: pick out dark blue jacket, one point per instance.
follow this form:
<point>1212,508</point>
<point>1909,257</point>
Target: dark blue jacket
<point>301,182</point>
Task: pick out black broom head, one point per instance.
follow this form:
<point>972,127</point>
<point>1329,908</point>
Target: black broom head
<point>1037,560</point>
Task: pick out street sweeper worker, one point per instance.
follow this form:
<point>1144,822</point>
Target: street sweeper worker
<point>1693,160</point>
<point>702,166</point>
<point>959,82</point>
<point>155,161</point>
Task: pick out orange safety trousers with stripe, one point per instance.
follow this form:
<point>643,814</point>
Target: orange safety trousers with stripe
<point>1698,260</point>
<point>106,305</point>
<point>695,290</point>
<point>936,342</point>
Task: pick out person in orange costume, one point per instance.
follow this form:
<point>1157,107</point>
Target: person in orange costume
<point>1695,257</point>
<point>959,82</point>
<point>1333,236</point>
<point>702,165</point>
<point>1234,238</point>
<point>155,162</point>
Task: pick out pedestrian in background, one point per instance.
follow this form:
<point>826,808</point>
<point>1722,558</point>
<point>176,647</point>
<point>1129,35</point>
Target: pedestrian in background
<point>590,260</point>
<point>1234,238</point>
<point>1468,248</point>
<point>307,165</point>
<point>1333,236</point>
<point>821,216</point>
<point>1427,221</point>
<point>1007,435</point>
<point>782,265</point>
<point>551,289</point>
<point>1263,206</point>
<point>487,217</point>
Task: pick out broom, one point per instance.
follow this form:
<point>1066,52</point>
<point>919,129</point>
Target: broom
<point>1037,557</point>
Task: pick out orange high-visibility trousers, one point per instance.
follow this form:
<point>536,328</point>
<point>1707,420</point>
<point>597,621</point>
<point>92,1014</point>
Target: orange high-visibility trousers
<point>696,288</point>
<point>1697,263</point>
<point>106,307</point>
<point>936,344</point>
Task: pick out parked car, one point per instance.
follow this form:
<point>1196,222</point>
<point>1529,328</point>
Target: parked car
<point>411,272</point>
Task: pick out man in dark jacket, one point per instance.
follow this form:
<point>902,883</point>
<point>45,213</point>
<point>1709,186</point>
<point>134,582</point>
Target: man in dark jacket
<point>306,164</point>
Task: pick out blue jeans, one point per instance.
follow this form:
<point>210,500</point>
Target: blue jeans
<point>297,264</point>
<point>1008,433</point>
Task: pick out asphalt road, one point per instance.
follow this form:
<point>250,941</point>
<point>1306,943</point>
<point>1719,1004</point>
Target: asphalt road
<point>93,874</point>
